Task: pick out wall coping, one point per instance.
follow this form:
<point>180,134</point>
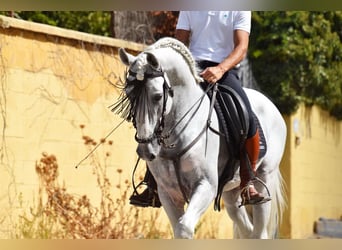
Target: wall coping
<point>9,22</point>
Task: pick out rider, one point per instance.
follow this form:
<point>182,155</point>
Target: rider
<point>218,40</point>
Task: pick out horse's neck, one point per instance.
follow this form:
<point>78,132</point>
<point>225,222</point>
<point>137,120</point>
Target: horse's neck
<point>179,69</point>
<point>187,95</point>
<point>186,90</point>
<point>186,101</point>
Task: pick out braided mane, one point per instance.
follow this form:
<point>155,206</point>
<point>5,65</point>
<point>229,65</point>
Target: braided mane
<point>179,47</point>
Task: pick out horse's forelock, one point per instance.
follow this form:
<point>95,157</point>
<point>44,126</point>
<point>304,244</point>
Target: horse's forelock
<point>139,65</point>
<point>130,97</point>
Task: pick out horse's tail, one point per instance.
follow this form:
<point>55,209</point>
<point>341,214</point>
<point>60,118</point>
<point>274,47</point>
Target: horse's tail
<point>278,203</point>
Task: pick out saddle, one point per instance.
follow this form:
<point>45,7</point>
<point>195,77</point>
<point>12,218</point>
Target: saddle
<point>234,123</point>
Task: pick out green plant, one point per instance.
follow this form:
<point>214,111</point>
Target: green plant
<point>296,58</point>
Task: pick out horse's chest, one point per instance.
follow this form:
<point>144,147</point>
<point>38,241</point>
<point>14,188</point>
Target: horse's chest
<point>172,175</point>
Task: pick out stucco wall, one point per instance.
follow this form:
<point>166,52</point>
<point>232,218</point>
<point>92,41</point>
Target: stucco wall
<point>54,80</point>
<point>313,170</point>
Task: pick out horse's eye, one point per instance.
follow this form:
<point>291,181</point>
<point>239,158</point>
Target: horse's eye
<point>157,97</point>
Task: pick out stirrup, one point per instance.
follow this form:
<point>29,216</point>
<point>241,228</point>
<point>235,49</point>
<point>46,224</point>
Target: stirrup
<point>148,198</point>
<point>246,199</point>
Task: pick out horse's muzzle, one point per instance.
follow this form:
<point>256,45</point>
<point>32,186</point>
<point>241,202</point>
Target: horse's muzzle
<point>147,152</point>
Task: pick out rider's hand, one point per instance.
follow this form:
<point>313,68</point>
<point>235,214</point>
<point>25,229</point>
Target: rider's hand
<point>212,74</point>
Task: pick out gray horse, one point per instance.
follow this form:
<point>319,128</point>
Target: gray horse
<point>170,112</point>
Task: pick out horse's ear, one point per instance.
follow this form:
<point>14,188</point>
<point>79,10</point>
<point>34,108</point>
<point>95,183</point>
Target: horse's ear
<point>125,57</point>
<point>152,60</point>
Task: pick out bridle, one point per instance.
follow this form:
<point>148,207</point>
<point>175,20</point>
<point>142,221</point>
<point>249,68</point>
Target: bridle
<point>159,134</point>
<point>167,91</point>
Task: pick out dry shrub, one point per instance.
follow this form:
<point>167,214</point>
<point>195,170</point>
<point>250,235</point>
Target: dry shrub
<point>61,215</point>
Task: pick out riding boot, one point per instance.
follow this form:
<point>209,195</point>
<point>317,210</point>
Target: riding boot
<point>149,197</point>
<point>249,194</point>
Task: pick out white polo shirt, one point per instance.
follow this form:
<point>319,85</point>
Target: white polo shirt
<point>212,32</point>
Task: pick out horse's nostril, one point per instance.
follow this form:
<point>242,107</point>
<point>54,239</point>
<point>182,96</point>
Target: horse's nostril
<point>152,157</point>
<point>145,154</point>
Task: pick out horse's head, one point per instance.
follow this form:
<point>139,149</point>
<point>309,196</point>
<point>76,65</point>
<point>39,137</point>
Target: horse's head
<point>149,97</point>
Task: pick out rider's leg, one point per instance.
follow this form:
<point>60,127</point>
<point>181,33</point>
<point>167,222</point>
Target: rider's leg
<point>149,197</point>
<point>247,171</point>
<point>251,150</point>
<point>249,194</point>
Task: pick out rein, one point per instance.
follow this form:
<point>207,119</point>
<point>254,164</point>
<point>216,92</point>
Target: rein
<point>176,157</point>
<point>205,128</point>
<point>158,132</point>
<point>168,133</point>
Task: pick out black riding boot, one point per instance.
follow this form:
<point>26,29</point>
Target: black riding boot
<point>149,197</point>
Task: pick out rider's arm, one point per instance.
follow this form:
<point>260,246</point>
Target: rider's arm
<point>241,40</point>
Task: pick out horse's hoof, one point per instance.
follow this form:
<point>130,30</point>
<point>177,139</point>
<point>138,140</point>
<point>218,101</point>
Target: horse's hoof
<point>183,232</point>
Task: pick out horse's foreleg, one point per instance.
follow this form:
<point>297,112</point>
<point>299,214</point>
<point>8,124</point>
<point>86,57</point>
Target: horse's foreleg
<point>173,206</point>
<point>198,204</point>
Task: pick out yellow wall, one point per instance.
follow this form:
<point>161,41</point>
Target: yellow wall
<point>53,80</point>
<point>313,170</point>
